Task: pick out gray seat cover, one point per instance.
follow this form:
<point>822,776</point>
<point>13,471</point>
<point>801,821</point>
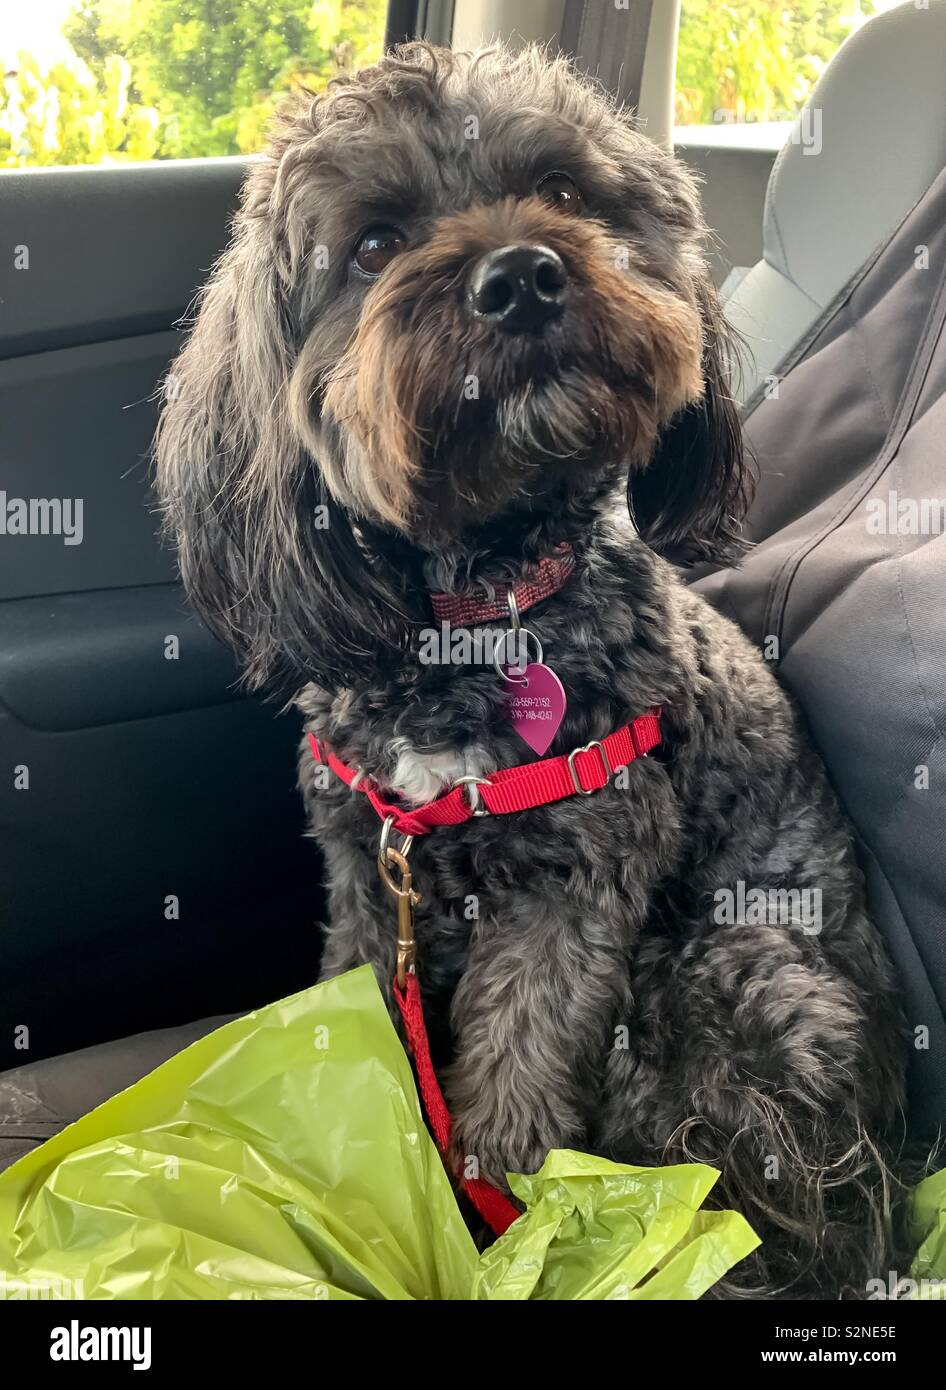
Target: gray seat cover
<point>40,1099</point>
<point>858,612</point>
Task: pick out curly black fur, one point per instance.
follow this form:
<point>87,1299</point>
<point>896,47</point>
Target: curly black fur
<point>572,958</point>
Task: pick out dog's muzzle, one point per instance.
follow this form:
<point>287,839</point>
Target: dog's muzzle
<point>520,288</point>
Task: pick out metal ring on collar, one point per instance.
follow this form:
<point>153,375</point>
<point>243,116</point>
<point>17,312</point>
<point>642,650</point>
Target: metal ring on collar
<point>404,848</point>
<point>518,632</point>
<point>513,608</point>
<point>476,801</point>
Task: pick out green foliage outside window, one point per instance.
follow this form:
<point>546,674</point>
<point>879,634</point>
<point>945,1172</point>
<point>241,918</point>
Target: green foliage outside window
<point>167,79</point>
<point>757,60</point>
<point>173,79</point>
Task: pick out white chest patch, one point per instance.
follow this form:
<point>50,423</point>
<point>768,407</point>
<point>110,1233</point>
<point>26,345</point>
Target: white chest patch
<point>420,777</point>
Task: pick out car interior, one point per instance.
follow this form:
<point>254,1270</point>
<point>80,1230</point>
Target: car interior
<point>154,876</point>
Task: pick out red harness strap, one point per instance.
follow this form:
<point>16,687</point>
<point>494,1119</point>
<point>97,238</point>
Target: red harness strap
<point>582,771</point>
<point>496,1209</point>
<point>585,770</point>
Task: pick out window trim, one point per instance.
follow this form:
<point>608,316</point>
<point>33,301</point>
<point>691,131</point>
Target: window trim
<point>412,19</point>
<point>749,137</point>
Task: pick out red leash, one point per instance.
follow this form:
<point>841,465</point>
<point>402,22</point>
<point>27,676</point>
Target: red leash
<point>496,1210</point>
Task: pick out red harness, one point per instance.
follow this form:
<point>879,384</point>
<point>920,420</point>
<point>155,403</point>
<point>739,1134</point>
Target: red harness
<point>580,773</point>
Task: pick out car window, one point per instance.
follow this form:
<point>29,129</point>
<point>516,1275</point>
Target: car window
<point>112,81</point>
<point>755,62</point>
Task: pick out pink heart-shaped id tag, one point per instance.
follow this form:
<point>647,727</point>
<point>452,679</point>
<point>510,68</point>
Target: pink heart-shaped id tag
<point>536,704</point>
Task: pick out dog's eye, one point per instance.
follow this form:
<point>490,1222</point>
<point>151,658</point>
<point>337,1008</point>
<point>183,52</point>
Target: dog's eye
<point>560,191</point>
<point>377,247</point>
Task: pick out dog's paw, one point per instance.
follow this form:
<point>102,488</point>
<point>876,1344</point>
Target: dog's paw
<point>490,1152</point>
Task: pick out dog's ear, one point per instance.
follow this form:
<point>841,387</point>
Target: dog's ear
<point>692,497</point>
<point>269,560</point>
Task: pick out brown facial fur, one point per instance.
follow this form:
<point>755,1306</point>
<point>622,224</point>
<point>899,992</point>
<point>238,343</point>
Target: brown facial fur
<point>624,357</point>
<point>422,432</point>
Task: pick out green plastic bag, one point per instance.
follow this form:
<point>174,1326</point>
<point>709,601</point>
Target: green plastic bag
<point>928,1228</point>
<point>284,1156</point>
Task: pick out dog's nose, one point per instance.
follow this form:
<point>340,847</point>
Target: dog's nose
<point>519,288</point>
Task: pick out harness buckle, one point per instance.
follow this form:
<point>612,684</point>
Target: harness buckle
<point>586,748</point>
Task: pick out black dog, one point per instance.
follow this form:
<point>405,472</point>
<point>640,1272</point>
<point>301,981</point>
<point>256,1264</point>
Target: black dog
<point>465,314</point>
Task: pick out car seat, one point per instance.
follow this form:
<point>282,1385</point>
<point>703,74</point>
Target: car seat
<point>845,402</point>
<point>845,410</point>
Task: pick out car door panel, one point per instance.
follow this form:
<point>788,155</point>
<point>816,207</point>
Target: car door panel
<point>152,863</point>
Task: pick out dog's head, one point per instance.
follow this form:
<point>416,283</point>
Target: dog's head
<point>462,294</point>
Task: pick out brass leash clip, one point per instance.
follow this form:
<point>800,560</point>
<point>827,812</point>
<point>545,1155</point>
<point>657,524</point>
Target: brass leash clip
<point>390,862</point>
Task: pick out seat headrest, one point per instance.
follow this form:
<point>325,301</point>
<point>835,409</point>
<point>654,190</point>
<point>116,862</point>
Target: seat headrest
<point>866,147</point>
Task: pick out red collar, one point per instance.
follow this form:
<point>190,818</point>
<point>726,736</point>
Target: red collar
<point>466,610</point>
<point>581,772</point>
